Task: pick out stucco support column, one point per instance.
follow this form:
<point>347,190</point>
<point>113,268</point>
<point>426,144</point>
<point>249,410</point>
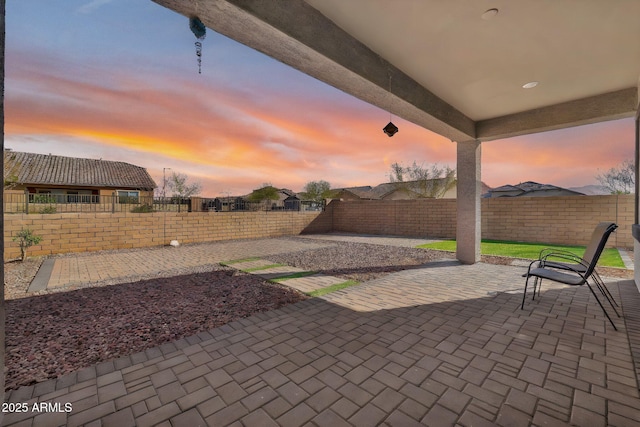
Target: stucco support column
<point>469,188</point>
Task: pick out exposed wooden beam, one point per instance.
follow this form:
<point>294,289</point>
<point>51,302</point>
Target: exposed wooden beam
<point>609,106</point>
<point>296,34</point>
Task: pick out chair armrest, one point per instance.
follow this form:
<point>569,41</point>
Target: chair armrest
<point>563,256</point>
<point>531,266</point>
<point>559,267</point>
<point>550,251</point>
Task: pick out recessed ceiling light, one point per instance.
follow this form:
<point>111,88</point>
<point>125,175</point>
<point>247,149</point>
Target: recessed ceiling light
<point>489,14</point>
<point>530,85</point>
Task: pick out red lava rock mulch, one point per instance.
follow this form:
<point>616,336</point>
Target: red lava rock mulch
<point>50,335</point>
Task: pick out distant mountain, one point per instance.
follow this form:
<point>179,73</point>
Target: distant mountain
<point>592,190</point>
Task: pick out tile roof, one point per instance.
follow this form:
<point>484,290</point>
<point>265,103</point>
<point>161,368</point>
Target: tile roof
<point>380,191</point>
<point>528,187</point>
<point>361,192</point>
<point>42,169</point>
<point>507,187</point>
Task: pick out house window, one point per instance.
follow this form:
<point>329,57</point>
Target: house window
<point>72,197</point>
<point>62,196</point>
<point>82,196</point>
<point>125,196</point>
<point>42,196</point>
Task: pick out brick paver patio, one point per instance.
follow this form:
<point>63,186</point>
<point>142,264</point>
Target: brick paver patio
<point>445,344</point>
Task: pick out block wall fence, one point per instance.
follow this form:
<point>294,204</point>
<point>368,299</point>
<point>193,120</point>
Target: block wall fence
<point>562,220</point>
<point>566,220</point>
<point>82,232</point>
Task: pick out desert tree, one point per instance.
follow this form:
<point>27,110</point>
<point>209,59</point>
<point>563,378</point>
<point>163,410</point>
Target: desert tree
<point>317,191</point>
<point>26,239</point>
<point>423,181</point>
<point>180,187</point>
<point>620,179</point>
<point>263,197</point>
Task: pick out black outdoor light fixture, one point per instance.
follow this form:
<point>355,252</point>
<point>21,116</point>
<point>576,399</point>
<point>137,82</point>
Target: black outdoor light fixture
<point>390,129</point>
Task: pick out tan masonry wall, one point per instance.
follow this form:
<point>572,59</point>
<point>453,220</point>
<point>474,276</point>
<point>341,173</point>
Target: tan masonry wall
<point>80,232</point>
<point>565,220</point>
<point>427,217</point>
<point>562,220</point>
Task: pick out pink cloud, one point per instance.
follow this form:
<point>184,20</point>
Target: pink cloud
<point>569,157</point>
<point>280,136</point>
<point>239,137</point>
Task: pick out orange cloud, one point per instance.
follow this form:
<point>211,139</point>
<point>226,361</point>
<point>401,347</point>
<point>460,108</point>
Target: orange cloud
<point>236,138</point>
<point>277,136</point>
<point>569,157</point>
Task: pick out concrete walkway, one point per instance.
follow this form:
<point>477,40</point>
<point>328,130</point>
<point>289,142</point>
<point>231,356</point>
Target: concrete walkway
<point>626,259</point>
<point>445,344</point>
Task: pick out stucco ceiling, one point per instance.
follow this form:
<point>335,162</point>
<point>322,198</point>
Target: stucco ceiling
<point>442,65</point>
<point>574,49</point>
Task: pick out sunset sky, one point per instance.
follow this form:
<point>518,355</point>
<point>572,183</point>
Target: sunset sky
<point>118,80</point>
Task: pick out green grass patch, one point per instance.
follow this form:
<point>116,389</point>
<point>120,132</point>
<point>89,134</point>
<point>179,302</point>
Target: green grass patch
<point>238,261</point>
<point>263,267</point>
<point>293,276</point>
<point>610,257</point>
<point>332,288</point>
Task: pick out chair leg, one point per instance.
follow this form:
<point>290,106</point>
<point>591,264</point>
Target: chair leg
<point>524,295</point>
<point>610,297</point>
<point>604,286</point>
<point>537,285</point>
<point>601,306</point>
<point>605,291</point>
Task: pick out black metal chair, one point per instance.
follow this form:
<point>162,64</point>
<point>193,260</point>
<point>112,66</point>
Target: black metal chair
<point>570,269</point>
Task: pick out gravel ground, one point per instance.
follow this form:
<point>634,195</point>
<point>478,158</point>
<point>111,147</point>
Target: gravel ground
<point>50,335</point>
<point>18,275</point>
<point>360,261</point>
<point>53,334</point>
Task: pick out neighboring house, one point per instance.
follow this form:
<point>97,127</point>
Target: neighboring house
<point>224,204</point>
<point>530,189</point>
<point>389,191</point>
<point>408,190</point>
<point>352,193</point>
<point>416,189</point>
<point>291,201</point>
<point>592,190</point>
<point>287,200</point>
<point>59,179</point>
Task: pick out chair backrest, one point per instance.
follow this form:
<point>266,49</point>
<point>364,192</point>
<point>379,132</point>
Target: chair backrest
<point>596,244</point>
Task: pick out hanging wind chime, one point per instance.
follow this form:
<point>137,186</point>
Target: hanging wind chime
<point>390,129</point>
<point>200,31</point>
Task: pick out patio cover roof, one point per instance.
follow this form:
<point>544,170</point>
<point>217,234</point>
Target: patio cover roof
<point>449,66</point>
